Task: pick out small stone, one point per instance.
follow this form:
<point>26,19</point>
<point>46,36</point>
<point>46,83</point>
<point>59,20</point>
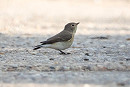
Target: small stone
<point>1,53</point>
<point>86,59</point>
<point>2,47</point>
<point>101,37</point>
<point>27,50</point>
<point>51,59</point>
<point>56,63</point>
<point>52,68</point>
<point>121,62</point>
<point>66,68</point>
<point>128,39</point>
<point>17,37</point>
<point>122,46</point>
<point>104,47</point>
<point>91,42</point>
<point>86,68</point>
<point>33,53</point>
<point>12,68</point>
<point>29,67</point>
<point>121,84</point>
<point>128,59</point>
<point>87,54</point>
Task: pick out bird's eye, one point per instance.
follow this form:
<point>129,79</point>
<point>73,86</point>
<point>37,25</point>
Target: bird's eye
<point>72,25</point>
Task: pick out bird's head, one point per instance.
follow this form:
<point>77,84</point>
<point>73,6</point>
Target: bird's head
<point>71,27</point>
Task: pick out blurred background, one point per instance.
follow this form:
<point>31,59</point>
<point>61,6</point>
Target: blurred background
<point>42,17</point>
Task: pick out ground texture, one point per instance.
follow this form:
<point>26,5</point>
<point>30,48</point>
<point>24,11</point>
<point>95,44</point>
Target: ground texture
<point>100,54</point>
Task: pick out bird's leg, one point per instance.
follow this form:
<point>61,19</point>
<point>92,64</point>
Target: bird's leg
<point>63,52</point>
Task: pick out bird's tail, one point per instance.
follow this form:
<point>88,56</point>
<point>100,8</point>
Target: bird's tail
<point>37,47</point>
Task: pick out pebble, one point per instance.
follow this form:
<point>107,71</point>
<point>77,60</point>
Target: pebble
<point>128,59</point>
<point>120,84</point>
<point>51,59</point>
<point>87,54</point>
<point>86,59</point>
<point>101,37</point>
<point>12,68</point>
<point>52,68</point>
<point>86,68</point>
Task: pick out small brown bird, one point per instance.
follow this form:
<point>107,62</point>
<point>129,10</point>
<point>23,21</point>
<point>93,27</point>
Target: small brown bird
<point>62,40</point>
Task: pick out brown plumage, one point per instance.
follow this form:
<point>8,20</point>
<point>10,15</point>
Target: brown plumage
<point>62,40</point>
<point>58,38</point>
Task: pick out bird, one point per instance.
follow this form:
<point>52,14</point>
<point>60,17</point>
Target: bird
<point>62,40</point>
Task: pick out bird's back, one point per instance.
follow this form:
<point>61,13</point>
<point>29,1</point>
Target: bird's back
<point>60,37</point>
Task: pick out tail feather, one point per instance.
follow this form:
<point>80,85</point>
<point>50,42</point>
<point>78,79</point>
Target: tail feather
<point>44,42</point>
<point>37,47</point>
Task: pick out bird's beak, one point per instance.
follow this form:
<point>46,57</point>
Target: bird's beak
<point>77,23</point>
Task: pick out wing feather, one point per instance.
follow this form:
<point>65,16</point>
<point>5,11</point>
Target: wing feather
<point>60,37</point>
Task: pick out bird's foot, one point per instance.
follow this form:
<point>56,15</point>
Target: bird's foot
<point>63,53</point>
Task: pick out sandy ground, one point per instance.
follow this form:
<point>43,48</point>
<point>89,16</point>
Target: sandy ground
<point>100,54</point>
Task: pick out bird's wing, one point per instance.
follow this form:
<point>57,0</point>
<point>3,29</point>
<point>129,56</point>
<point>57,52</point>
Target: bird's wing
<point>60,37</point>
